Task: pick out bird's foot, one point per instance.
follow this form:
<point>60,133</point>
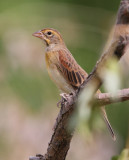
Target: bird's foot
<point>67,99</point>
<point>64,98</point>
<point>64,95</point>
<point>59,103</point>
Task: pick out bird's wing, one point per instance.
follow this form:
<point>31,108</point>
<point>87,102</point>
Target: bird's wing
<point>74,74</point>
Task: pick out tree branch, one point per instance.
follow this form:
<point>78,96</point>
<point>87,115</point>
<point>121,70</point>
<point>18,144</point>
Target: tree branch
<point>61,138</point>
<point>102,99</point>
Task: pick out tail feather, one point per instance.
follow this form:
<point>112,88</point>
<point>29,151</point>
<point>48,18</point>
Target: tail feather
<point>108,123</point>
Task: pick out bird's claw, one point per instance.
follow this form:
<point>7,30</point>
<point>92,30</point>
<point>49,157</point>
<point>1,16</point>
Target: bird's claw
<point>66,99</point>
<point>59,103</point>
<point>64,95</point>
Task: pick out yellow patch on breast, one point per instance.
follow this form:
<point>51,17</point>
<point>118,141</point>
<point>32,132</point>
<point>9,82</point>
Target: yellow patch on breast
<point>55,74</point>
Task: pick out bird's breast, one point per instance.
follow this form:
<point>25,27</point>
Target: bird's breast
<point>52,62</point>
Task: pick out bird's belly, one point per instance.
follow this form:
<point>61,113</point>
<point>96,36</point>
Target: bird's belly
<point>59,80</point>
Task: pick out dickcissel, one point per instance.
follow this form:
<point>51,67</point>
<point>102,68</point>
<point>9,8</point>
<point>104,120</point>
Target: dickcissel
<point>62,67</point>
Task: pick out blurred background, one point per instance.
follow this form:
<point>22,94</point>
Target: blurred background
<point>28,97</point>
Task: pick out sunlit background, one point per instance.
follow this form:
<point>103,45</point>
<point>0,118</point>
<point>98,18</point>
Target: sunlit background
<point>28,97</point>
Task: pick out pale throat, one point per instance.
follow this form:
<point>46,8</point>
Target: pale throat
<point>50,47</point>
<point>54,47</point>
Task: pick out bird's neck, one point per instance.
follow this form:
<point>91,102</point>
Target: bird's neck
<point>54,47</point>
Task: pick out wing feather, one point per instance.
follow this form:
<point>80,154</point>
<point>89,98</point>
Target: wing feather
<point>72,72</point>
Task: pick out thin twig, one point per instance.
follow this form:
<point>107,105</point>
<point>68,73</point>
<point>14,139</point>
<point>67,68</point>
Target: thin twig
<point>109,98</point>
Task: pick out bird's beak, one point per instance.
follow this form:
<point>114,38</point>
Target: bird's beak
<point>38,34</point>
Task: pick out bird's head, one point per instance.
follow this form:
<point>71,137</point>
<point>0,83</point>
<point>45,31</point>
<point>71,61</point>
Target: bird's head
<point>50,36</point>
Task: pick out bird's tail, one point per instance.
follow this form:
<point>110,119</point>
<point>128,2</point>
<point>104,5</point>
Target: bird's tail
<point>108,123</point>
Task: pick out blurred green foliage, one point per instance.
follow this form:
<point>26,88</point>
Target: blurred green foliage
<point>30,88</point>
<point>123,156</point>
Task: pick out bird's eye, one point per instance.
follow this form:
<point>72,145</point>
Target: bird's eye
<point>49,33</point>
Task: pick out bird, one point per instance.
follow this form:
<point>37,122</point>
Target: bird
<point>62,68</point>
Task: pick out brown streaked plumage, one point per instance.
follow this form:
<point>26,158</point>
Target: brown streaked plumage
<point>62,67</point>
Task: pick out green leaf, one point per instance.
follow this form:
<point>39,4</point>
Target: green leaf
<point>123,156</point>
